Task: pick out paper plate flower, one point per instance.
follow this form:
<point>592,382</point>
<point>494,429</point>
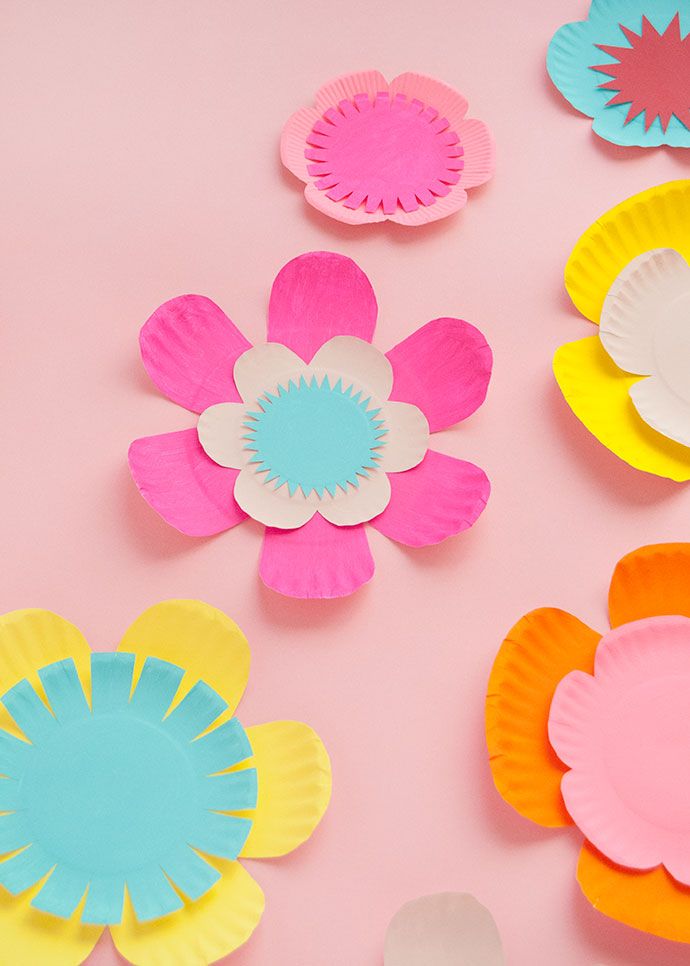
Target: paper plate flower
<point>447,929</point>
<point>628,384</point>
<point>628,67</point>
<point>316,432</point>
<point>593,730</point>
<point>373,151</point>
<point>128,789</point>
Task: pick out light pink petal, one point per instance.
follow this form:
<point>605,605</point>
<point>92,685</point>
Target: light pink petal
<point>454,201</point>
<point>433,93</point>
<point>189,490</point>
<point>345,87</point>
<point>480,153</point>
<point>334,209</point>
<point>317,560</point>
<point>189,347</point>
<point>440,497</point>
<point>443,368</point>
<point>293,141</point>
<point>317,296</point>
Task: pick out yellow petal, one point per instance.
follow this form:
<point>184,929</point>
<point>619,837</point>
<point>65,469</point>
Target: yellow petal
<point>204,931</point>
<point>197,637</point>
<point>30,639</point>
<point>597,391</point>
<point>294,775</point>
<point>33,938</point>
<point>656,218</point>
<point>651,901</point>
<point>537,653</point>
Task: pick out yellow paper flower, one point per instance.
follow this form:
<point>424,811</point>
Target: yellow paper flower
<point>128,789</point>
<point>597,389</point>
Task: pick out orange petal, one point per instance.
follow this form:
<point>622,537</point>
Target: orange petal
<point>649,582</point>
<point>652,901</point>
<point>540,650</point>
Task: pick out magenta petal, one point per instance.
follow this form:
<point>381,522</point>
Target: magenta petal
<point>316,560</point>
<point>440,497</point>
<point>444,368</point>
<point>189,490</point>
<point>189,347</point>
<point>317,296</point>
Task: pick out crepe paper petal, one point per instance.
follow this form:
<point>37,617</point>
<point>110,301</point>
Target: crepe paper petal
<point>317,296</point>
<point>655,218</point>
<point>651,901</point>
<point>205,931</point>
<point>359,360</point>
<point>438,498</point>
<point>35,938</point>
<point>198,637</point>
<point>379,151</point>
<point>407,437</point>
<point>265,367</point>
<point>650,582</point>
<point>189,347</point>
<point>76,789</point>
<point>447,929</point>
<point>367,500</point>
<point>294,776</point>
<point>318,560</point>
<point>31,638</point>
<point>628,67</point>
<point>623,733</point>
<point>598,392</point>
<point>443,368</point>
<point>637,306</point>
<point>178,480</point>
<point>220,429</point>
<point>537,653</point>
<point>271,503</point>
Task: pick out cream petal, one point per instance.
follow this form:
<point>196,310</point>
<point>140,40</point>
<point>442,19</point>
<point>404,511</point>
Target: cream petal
<point>407,437</point>
<point>662,409</point>
<point>360,503</point>
<point>263,367</point>
<point>270,506</point>
<point>359,360</point>
<point>221,428</point>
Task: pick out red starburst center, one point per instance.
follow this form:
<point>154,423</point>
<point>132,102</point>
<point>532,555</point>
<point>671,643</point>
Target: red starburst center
<point>652,74</point>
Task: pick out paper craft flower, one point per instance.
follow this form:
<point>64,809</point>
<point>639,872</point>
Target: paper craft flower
<point>316,432</point>
<point>593,730</point>
<point>128,789</point>
<point>628,384</point>
<point>372,151</point>
<point>447,929</point>
<point>628,67</point>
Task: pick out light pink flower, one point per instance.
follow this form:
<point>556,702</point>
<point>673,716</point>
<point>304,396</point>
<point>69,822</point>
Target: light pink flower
<point>372,151</point>
<point>264,408</point>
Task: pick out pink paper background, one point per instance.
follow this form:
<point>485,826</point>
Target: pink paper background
<point>141,162</point>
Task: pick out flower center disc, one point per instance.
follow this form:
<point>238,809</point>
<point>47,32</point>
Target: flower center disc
<point>315,436</point>
<point>394,151</point>
<point>108,794</point>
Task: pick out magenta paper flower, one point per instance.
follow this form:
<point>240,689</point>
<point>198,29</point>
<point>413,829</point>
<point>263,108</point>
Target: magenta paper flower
<point>372,151</point>
<point>315,432</point>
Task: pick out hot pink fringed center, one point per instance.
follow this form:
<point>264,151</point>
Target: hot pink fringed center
<point>389,152</point>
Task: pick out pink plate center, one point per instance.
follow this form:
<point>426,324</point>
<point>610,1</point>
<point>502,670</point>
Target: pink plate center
<point>387,153</point>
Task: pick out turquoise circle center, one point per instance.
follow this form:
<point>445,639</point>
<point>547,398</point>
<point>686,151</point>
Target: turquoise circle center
<point>108,793</point>
<point>315,436</point>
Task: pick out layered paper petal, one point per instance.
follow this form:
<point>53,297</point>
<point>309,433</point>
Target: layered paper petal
<point>35,938</point>
<point>650,582</point>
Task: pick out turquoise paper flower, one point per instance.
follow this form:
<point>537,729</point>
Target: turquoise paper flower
<point>628,67</point>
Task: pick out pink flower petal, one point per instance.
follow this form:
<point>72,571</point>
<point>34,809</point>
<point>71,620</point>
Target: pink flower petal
<point>189,347</point>
<point>317,296</point>
<point>293,141</point>
<point>350,216</point>
<point>316,560</point>
<point>480,153</point>
<point>443,368</point>
<point>445,99</point>
<point>180,482</point>
<point>454,201</point>
<point>440,497</point>
<point>369,82</point>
